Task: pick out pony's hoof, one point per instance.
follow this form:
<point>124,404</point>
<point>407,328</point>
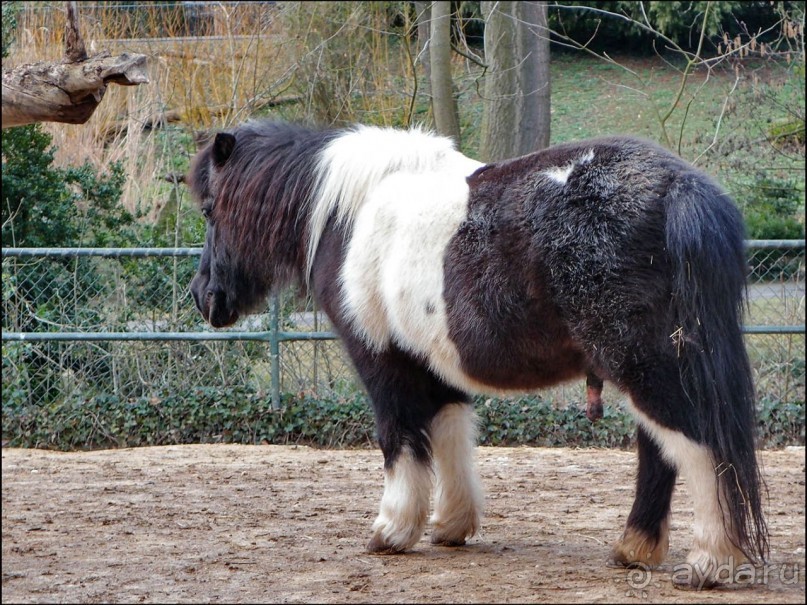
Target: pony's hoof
<point>439,540</point>
<point>705,570</point>
<point>617,561</point>
<point>378,546</point>
<point>454,531</point>
<point>638,549</point>
<point>620,559</point>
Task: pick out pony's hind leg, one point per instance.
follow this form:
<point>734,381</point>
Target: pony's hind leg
<point>646,537</point>
<point>713,548</point>
<point>458,494</point>
<point>668,419</point>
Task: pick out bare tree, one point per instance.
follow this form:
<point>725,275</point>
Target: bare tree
<point>444,103</point>
<point>516,116</point>
<point>68,91</point>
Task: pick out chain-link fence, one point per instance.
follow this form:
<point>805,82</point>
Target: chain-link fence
<point>82,323</point>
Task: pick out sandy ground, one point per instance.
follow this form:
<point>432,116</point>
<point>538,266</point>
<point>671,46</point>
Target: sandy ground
<point>226,523</point>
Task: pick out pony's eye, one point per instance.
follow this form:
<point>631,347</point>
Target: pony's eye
<point>206,213</point>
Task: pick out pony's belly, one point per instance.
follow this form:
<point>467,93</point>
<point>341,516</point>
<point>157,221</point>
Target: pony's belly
<point>498,369</point>
<point>501,380</point>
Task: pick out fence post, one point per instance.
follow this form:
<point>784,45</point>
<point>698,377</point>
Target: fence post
<point>274,351</point>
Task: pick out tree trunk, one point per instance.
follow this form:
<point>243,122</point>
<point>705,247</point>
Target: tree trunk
<point>535,79</point>
<point>444,104</point>
<point>516,118</point>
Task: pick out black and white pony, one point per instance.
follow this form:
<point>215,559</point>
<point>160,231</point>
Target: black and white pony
<point>444,277</point>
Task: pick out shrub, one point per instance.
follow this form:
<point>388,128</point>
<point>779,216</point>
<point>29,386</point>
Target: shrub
<point>47,206</point>
<point>236,415</point>
<point>771,205</point>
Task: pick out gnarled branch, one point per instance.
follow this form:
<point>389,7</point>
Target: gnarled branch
<point>68,91</point>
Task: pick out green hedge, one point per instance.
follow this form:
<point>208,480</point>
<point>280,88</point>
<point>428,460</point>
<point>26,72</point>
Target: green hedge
<point>234,415</point>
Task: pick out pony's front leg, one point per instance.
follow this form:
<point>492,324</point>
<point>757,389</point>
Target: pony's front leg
<point>458,494</point>
<point>405,503</point>
<point>406,398</point>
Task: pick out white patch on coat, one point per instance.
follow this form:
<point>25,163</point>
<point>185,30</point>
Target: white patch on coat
<point>561,174</point>
<point>392,278</point>
<point>351,166</point>
<point>458,497</point>
<point>712,546</point>
<point>405,504</point>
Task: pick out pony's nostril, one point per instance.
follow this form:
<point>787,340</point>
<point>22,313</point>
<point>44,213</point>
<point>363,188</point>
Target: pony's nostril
<point>213,295</point>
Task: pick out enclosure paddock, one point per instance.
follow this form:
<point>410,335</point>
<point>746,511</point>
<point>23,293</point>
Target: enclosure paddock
<point>227,523</point>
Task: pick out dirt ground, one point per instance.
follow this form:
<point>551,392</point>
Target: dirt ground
<point>226,523</point>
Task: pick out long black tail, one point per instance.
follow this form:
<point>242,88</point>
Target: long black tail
<point>704,232</point>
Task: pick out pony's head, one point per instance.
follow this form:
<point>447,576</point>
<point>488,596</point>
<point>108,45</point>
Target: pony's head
<point>238,267</point>
<point>253,185</point>
<point>220,293</point>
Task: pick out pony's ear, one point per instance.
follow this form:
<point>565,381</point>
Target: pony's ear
<point>223,148</point>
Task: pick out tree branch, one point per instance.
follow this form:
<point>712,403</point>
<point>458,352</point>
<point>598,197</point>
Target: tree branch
<point>65,92</point>
<point>74,50</point>
<point>471,57</point>
<point>69,91</point>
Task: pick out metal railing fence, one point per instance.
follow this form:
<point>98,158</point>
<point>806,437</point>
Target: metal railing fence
<point>86,321</point>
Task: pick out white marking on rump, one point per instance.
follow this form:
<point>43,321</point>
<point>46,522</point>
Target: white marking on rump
<point>712,546</point>
<point>561,174</point>
<point>392,277</point>
<point>353,164</point>
<point>458,496</point>
<point>405,503</point>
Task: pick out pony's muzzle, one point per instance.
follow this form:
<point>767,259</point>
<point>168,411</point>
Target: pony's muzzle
<point>212,304</point>
<point>215,309</point>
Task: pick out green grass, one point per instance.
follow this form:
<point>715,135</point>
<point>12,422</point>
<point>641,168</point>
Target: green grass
<point>593,98</point>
